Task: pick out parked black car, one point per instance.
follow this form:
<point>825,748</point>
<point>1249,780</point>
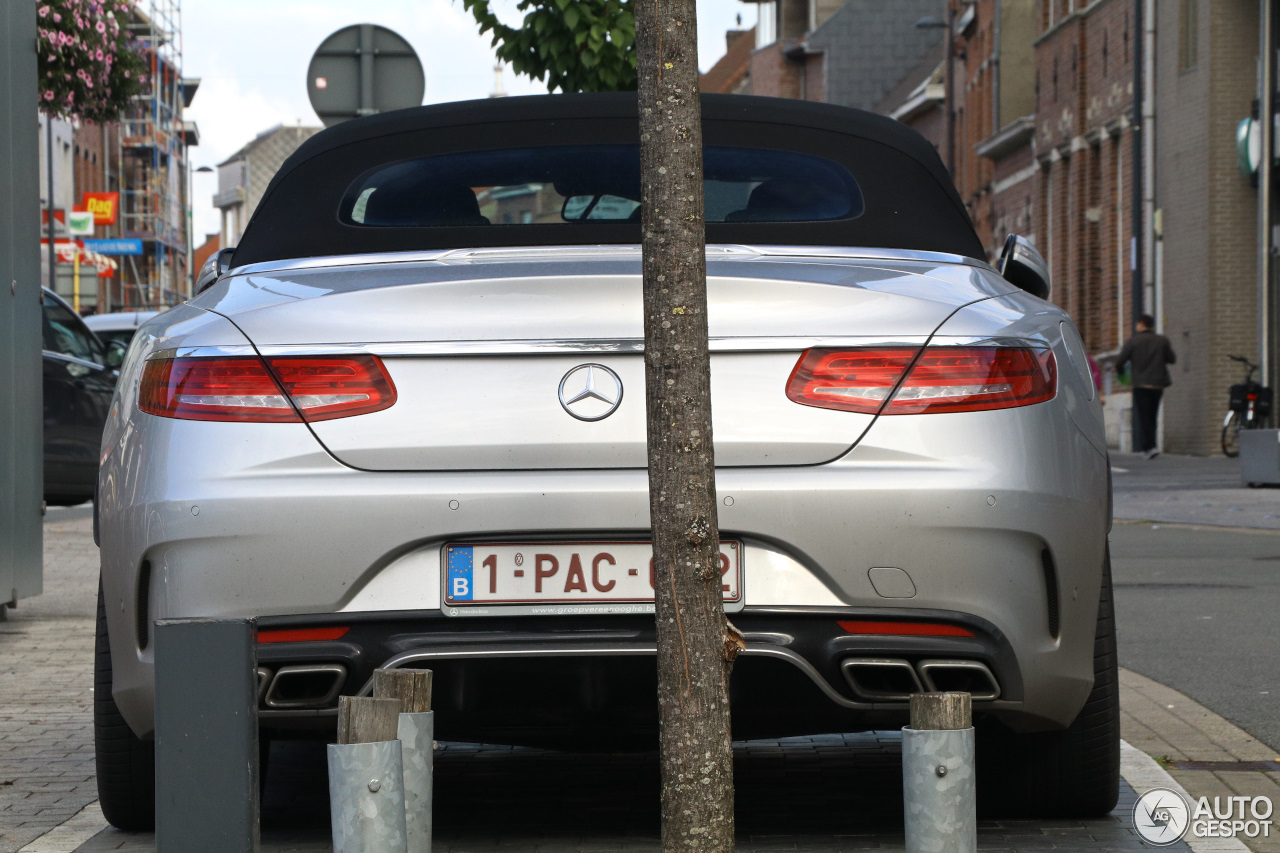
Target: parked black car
<point>79,381</point>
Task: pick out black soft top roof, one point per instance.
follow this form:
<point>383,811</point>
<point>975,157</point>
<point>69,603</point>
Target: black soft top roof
<point>910,200</point>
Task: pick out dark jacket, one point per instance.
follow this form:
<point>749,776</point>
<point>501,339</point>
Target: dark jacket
<point>1151,356</point>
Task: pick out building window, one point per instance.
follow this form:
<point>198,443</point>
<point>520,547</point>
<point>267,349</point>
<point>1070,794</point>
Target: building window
<point>1188,34</point>
<point>767,26</point>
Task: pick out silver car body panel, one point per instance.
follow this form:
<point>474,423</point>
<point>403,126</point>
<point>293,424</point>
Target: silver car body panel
<point>262,519</point>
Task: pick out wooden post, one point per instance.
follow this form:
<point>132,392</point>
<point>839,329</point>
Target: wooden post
<point>411,687</point>
<point>366,778</point>
<point>362,719</point>
<point>941,711</point>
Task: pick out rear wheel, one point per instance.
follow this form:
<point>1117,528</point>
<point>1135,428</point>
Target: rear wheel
<point>1070,773</point>
<point>126,763</point>
<point>1231,435</point>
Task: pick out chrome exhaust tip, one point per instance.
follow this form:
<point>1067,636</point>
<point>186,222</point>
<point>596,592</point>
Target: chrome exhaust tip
<point>966,676</point>
<point>263,676</point>
<point>881,679</point>
<point>309,685</point>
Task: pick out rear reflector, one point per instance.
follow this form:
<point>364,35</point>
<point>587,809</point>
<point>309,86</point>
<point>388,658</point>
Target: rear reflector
<point>906,629</point>
<point>302,635</point>
<point>942,379</point>
<point>241,388</point>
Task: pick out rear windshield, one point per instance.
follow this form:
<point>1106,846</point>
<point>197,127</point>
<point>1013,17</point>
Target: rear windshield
<point>592,183</point>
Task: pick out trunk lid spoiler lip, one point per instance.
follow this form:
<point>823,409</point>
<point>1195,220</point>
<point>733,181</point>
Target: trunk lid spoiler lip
<point>532,254</point>
<point>427,349</point>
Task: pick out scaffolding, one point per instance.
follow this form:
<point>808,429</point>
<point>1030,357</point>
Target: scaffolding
<point>152,161</point>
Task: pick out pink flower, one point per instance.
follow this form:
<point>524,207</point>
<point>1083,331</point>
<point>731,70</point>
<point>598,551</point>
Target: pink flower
<point>57,18</point>
<point>48,96</point>
<point>100,27</point>
<point>43,11</point>
<point>99,54</point>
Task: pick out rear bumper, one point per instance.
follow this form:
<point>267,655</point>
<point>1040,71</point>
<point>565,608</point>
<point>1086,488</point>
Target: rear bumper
<point>585,682</point>
<point>968,505</point>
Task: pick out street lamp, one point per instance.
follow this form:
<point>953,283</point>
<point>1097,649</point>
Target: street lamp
<point>949,25</point>
<point>191,234</point>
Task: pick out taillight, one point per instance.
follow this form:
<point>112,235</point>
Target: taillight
<point>241,388</point>
<point>942,379</point>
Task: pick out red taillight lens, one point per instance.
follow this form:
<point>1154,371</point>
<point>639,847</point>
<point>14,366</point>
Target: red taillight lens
<point>327,388</point>
<point>943,379</point>
<point>240,388</point>
<point>850,380</point>
<point>212,389</point>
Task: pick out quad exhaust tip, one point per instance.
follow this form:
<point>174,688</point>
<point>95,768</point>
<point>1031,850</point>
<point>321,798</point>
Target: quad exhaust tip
<point>967,676</point>
<point>881,679</point>
<point>895,679</point>
<point>310,685</point>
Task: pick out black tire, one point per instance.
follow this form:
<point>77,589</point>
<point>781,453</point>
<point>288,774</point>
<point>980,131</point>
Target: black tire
<point>1074,773</point>
<point>1231,436</point>
<point>126,763</point>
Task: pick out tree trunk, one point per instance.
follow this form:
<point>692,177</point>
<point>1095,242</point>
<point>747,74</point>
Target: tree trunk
<point>696,645</point>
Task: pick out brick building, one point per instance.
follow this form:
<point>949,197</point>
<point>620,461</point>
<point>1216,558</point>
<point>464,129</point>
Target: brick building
<point>848,52</point>
<point>1043,113</point>
<point>731,75</point>
<point>1084,146</point>
<point>1206,235</point>
<point>243,177</point>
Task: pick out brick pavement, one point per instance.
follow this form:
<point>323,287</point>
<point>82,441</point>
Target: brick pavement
<point>46,692</point>
<point>828,794</point>
<point>1176,730</point>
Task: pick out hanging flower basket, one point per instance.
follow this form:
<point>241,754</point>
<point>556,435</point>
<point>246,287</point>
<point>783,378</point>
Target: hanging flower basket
<point>89,63</point>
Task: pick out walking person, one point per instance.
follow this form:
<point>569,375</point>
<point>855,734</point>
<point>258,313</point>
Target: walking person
<point>1150,354</point>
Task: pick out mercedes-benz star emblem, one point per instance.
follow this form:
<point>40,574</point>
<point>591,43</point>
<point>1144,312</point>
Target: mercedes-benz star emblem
<point>590,392</point>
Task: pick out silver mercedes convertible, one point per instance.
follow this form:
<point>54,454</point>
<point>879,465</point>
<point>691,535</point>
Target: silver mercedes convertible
<point>402,425</point>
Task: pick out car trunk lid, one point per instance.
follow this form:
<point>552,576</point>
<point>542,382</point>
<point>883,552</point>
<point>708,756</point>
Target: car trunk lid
<point>487,357</point>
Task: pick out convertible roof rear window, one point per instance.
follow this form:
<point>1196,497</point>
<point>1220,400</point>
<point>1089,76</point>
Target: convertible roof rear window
<point>561,184</point>
<point>563,170</point>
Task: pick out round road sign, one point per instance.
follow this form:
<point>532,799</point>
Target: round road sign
<point>361,70</point>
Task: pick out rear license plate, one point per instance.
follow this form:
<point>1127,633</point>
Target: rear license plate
<point>557,578</point>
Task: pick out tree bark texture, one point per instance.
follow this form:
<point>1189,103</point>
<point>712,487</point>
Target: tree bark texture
<point>696,645</point>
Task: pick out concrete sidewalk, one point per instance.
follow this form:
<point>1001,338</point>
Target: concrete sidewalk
<point>1190,490</point>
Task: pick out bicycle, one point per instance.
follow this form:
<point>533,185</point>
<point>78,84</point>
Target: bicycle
<point>1249,408</point>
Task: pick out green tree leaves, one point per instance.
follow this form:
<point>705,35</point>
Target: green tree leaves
<point>571,45</point>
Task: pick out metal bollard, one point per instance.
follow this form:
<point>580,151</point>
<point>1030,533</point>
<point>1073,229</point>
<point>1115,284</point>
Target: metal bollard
<point>417,740</point>
<point>938,782</point>
<point>366,797</point>
<point>206,736</point>
<point>411,688</point>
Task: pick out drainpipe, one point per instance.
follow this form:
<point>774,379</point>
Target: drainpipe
<point>1154,297</point>
<point>48,157</point>
<point>1266,170</point>
<point>1137,173</point>
<point>995,69</point>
